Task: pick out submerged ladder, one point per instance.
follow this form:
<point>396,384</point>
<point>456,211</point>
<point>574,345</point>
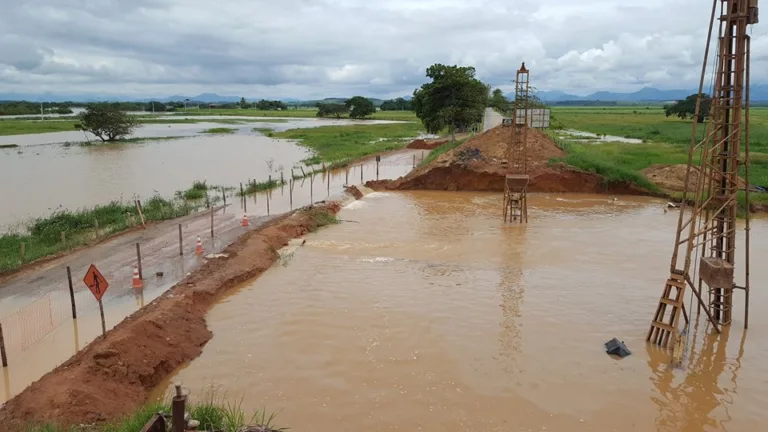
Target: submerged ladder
<point>664,326</point>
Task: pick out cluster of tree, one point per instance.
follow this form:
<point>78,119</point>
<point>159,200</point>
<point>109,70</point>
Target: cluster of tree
<point>499,102</point>
<point>686,108</point>
<point>398,104</point>
<point>33,108</point>
<point>357,107</point>
<point>108,121</point>
<point>155,106</point>
<point>331,110</point>
<point>455,99</point>
<point>124,106</point>
<point>270,105</point>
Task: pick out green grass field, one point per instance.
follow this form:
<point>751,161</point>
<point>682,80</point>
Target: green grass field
<point>335,143</point>
<point>666,141</point>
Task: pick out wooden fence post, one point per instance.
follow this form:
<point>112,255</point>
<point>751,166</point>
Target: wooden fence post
<point>71,293</point>
<point>181,246</point>
<point>3,357</point>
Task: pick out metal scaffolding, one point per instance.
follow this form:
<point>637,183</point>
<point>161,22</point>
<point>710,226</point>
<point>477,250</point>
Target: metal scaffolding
<point>706,228</point>
<point>516,181</point>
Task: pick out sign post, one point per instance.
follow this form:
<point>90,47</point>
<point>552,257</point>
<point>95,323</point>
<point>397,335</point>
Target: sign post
<point>98,285</point>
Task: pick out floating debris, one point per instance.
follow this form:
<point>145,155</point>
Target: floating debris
<point>615,347</point>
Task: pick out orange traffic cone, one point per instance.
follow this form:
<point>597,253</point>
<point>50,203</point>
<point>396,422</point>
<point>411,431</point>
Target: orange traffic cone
<point>244,222</point>
<point>137,284</point>
<point>199,247</point>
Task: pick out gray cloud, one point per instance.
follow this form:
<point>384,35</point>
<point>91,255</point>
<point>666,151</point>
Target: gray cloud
<point>311,48</point>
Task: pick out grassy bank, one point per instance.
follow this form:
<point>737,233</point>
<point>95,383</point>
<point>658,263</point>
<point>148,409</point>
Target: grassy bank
<point>666,142</point>
<point>440,150</point>
<point>22,127</point>
<point>220,130</point>
<point>64,230</point>
<point>213,415</point>
<point>333,143</point>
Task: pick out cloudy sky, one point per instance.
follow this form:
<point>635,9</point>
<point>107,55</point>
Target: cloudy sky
<point>320,48</point>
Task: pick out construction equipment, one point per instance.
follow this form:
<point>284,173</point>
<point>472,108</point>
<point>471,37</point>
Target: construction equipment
<point>706,228</point>
<point>517,178</point>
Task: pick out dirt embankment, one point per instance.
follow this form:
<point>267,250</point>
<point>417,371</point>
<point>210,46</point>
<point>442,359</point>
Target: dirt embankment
<point>420,144</point>
<point>480,165</point>
<point>114,374</point>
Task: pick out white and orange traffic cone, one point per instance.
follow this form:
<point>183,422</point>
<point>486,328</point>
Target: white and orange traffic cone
<point>199,246</point>
<point>137,284</point>
<point>244,222</point>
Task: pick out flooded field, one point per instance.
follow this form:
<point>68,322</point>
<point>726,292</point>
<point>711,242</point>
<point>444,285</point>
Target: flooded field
<point>50,177</point>
<point>35,308</point>
<point>422,311</point>
<point>590,137</point>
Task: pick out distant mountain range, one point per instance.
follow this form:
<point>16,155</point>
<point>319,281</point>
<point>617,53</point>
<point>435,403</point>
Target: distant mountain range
<point>647,94</point>
<point>758,93</point>
<point>201,98</point>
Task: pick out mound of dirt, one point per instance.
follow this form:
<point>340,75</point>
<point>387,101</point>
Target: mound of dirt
<point>671,178</point>
<point>480,163</point>
<point>420,144</point>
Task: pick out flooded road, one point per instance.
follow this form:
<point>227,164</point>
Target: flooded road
<point>35,307</point>
<point>424,312</point>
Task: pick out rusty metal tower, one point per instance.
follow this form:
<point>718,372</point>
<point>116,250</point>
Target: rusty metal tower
<point>706,229</point>
<point>516,181</point>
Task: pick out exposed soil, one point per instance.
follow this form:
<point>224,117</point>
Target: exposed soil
<point>480,165</point>
<point>671,178</point>
<point>115,373</point>
<point>420,144</point>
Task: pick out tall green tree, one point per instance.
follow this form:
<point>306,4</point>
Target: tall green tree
<point>687,108</point>
<point>499,102</point>
<point>107,121</point>
<point>454,99</point>
<point>398,104</point>
<point>331,110</point>
<point>360,107</point>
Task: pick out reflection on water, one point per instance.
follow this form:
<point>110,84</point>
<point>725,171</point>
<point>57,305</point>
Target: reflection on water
<point>431,314</point>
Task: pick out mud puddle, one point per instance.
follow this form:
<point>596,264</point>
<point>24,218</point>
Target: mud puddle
<point>424,312</point>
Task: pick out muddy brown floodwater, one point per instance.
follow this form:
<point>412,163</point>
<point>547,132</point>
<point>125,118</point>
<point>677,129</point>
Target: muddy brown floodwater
<point>425,312</point>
